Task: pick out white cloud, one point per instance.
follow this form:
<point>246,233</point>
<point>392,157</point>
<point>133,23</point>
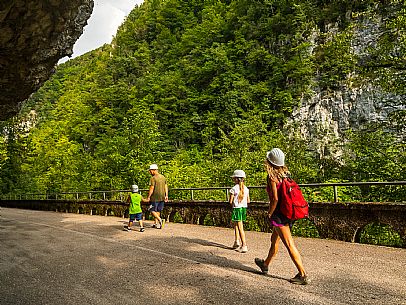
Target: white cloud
<point>102,25</point>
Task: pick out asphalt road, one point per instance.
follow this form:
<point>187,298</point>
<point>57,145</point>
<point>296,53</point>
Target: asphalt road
<point>57,258</point>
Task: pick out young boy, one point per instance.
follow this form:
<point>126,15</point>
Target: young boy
<point>134,210</point>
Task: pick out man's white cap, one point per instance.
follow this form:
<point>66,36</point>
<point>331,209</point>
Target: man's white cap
<point>238,173</point>
<point>153,166</point>
<point>134,188</point>
<point>276,157</point>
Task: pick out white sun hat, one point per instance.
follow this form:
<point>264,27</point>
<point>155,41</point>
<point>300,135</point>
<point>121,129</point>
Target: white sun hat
<point>276,157</point>
<point>238,173</point>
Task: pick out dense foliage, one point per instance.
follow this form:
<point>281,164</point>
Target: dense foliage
<point>202,88</point>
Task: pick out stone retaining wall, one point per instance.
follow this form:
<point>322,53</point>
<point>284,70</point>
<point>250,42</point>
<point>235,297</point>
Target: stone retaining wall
<point>343,221</point>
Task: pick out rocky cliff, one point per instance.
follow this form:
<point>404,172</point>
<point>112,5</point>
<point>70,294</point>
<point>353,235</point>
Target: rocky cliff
<point>34,35</point>
<point>362,98</point>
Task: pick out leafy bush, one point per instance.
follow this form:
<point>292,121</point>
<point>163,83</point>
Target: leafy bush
<point>208,220</point>
<point>177,218</point>
<point>251,224</point>
<point>380,234</point>
<point>305,228</point>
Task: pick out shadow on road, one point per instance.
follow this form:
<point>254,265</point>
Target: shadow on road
<point>209,257</point>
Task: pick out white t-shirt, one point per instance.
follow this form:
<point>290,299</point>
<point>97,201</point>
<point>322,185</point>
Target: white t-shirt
<point>235,190</point>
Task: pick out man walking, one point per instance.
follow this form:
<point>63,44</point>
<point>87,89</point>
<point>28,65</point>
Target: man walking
<point>158,194</point>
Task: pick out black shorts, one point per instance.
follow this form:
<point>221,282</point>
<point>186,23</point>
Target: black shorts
<point>279,220</point>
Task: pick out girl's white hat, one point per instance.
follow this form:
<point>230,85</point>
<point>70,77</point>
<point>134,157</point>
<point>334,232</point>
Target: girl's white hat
<point>276,157</point>
<point>238,173</point>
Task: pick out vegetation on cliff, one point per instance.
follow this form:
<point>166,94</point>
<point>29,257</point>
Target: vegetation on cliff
<point>202,88</point>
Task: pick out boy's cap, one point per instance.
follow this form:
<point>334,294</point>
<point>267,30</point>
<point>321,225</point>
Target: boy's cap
<point>153,166</point>
<point>134,188</point>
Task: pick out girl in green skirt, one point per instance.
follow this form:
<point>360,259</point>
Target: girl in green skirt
<point>239,199</point>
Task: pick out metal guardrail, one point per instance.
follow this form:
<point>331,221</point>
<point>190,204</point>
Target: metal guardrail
<point>119,194</point>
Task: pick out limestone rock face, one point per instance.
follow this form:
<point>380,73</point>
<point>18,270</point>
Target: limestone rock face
<point>324,116</point>
<point>34,35</point>
<point>327,115</point>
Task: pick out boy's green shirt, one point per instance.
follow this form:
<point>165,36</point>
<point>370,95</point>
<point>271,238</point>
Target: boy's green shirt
<point>135,204</point>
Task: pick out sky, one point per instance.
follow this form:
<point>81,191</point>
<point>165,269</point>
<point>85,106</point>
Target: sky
<point>102,25</point>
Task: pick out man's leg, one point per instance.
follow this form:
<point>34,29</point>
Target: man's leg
<point>157,216</point>
<point>160,207</point>
<point>155,213</point>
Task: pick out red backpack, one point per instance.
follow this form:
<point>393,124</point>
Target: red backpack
<point>291,201</point>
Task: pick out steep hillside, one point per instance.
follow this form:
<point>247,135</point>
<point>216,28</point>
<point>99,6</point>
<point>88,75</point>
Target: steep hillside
<point>205,87</point>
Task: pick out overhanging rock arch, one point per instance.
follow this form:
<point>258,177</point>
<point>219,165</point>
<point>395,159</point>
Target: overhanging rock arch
<point>34,35</point>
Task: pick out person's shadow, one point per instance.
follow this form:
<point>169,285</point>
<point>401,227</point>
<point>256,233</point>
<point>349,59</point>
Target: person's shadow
<point>233,264</point>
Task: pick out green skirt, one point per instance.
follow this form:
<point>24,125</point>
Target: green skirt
<point>239,214</point>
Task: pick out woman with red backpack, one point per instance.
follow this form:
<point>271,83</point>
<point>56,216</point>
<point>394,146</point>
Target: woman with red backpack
<point>277,172</point>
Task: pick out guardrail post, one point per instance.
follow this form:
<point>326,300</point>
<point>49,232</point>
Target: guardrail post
<point>191,195</point>
<point>226,194</point>
<point>104,195</point>
<point>77,196</point>
<point>335,194</point>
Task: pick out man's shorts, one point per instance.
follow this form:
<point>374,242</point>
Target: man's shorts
<point>157,206</point>
<point>137,217</point>
<point>239,214</point>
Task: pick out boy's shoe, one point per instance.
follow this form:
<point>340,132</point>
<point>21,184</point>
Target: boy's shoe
<point>299,279</point>
<point>236,245</point>
<point>126,228</point>
<point>154,226</point>
<point>242,249</point>
<point>142,229</point>
<point>261,264</point>
<point>162,224</point>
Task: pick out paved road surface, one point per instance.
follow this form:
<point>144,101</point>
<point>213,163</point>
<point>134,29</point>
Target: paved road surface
<point>57,258</point>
